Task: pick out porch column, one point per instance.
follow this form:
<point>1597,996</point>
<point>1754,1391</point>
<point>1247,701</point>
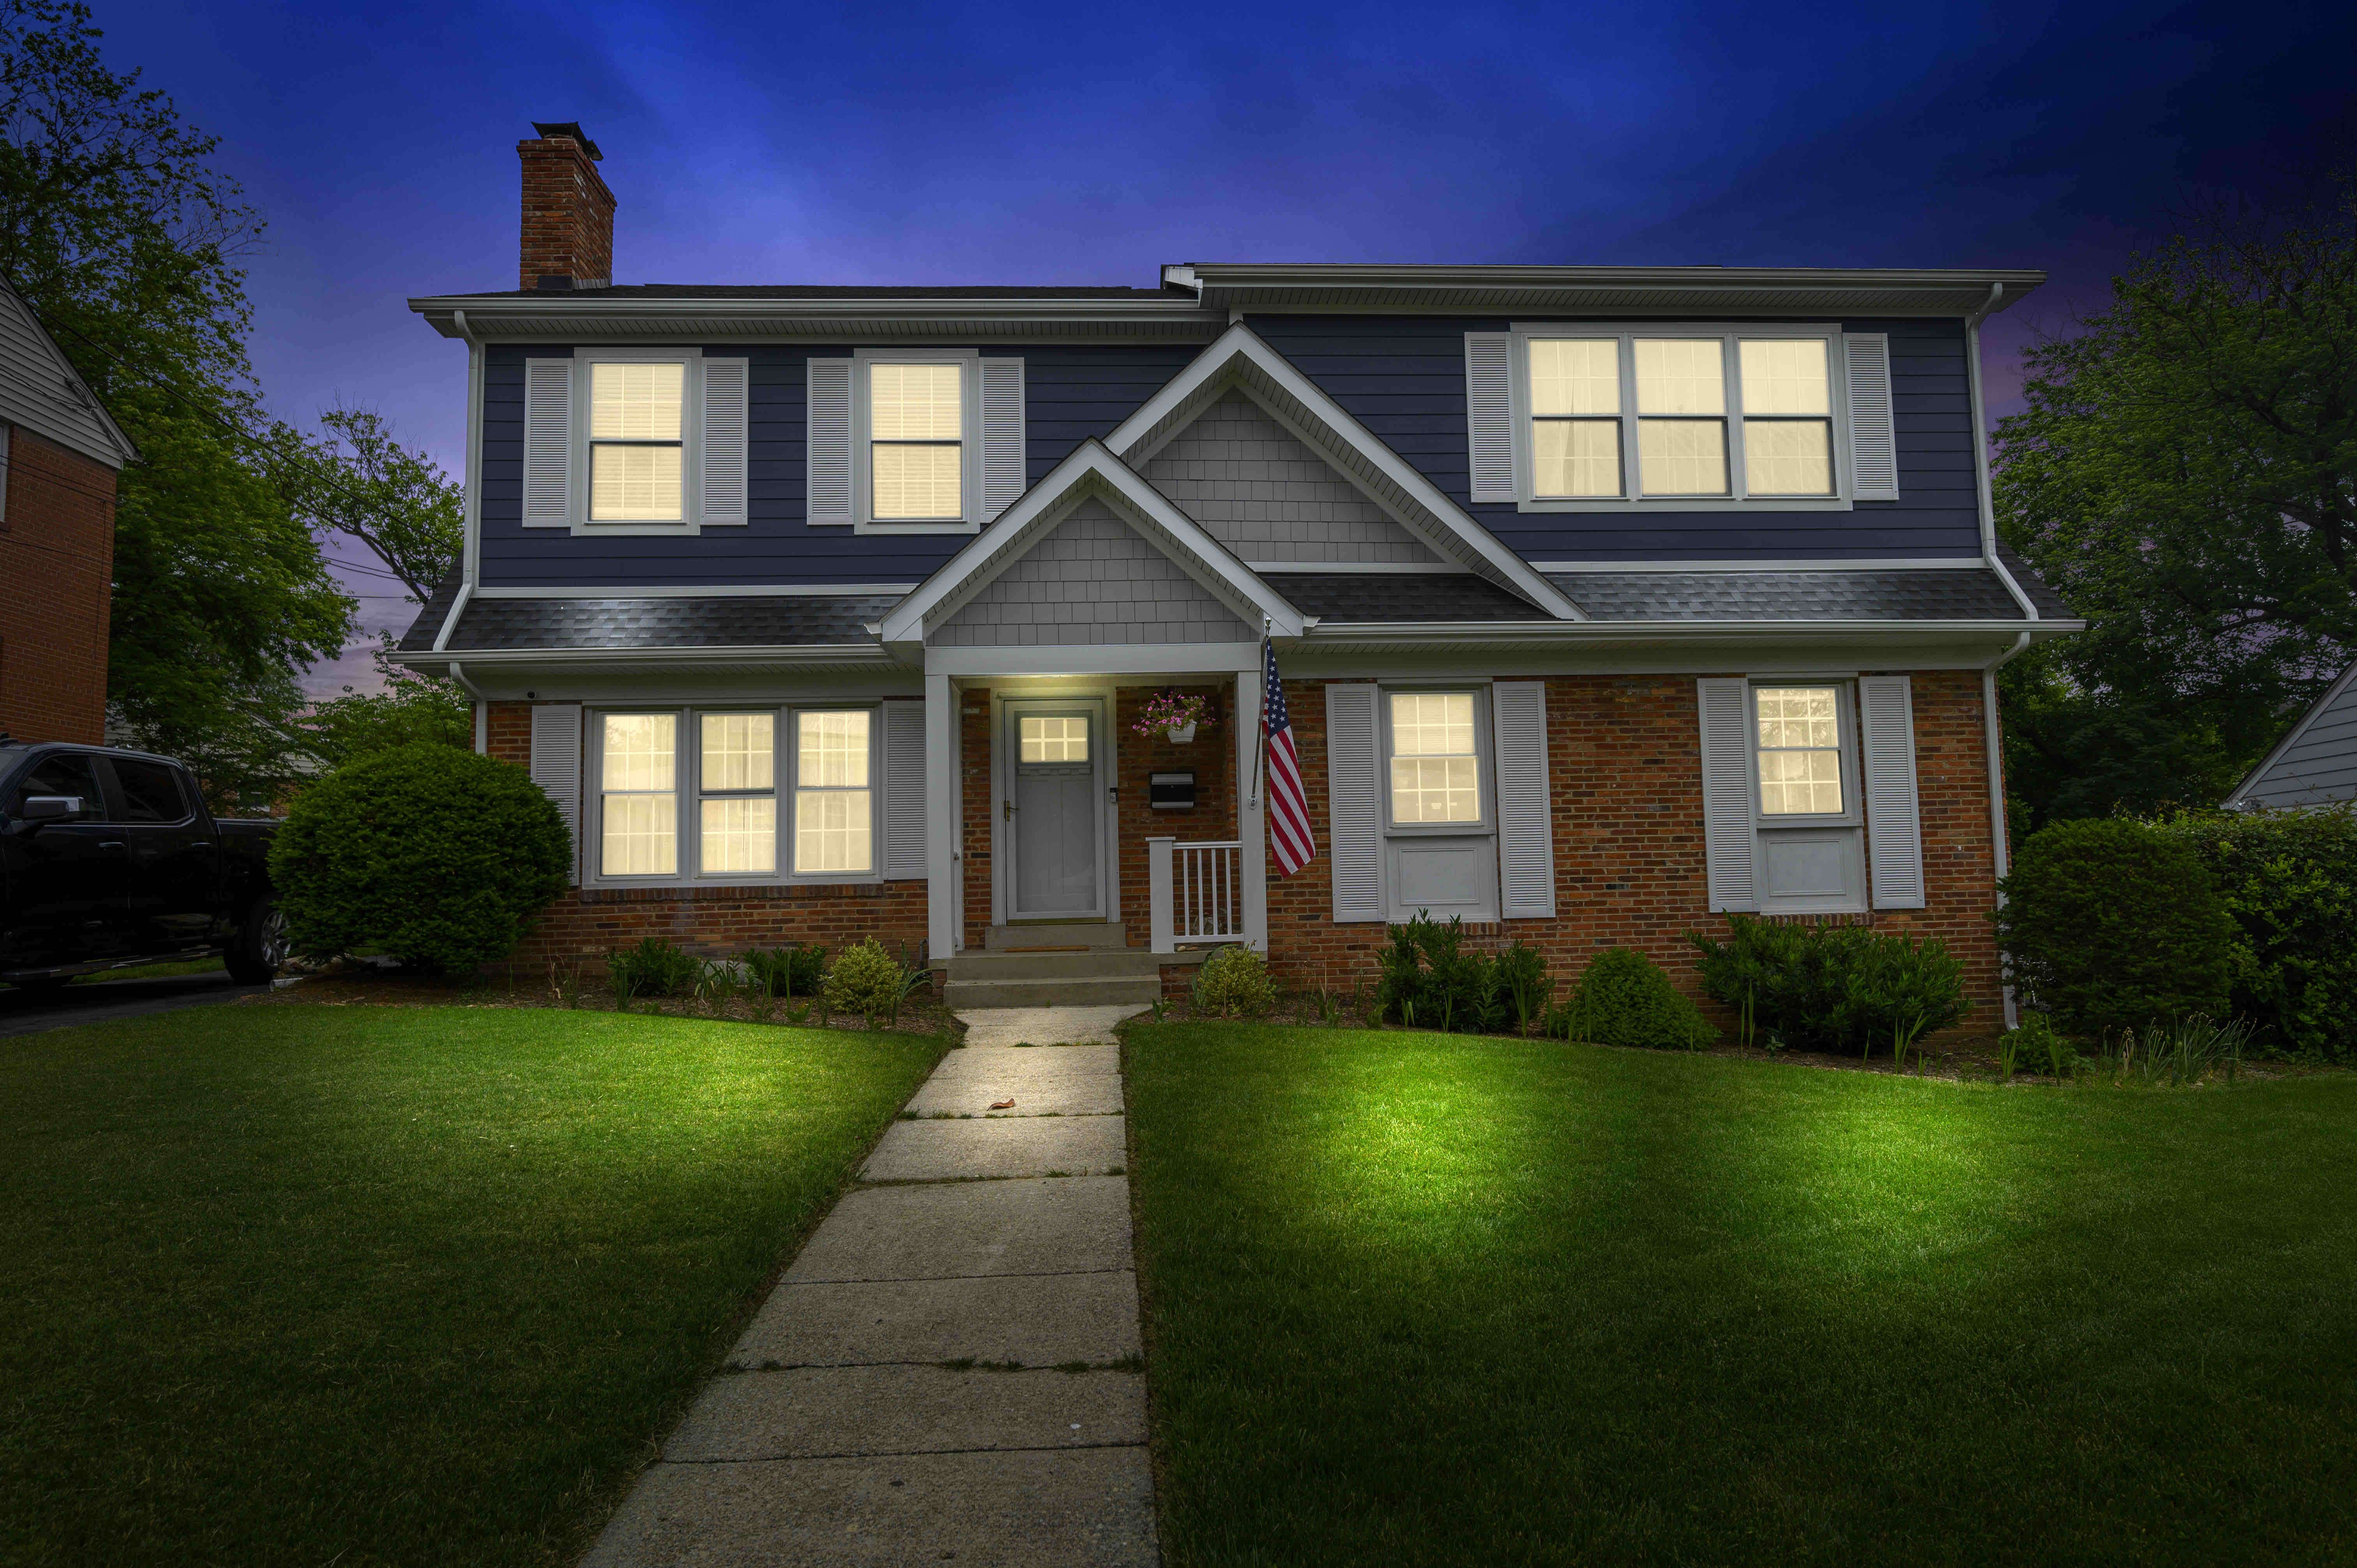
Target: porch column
<point>945,922</point>
<point>1251,826</point>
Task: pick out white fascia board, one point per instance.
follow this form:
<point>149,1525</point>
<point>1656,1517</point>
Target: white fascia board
<point>1463,634</point>
<point>559,314</point>
<point>706,591</point>
<point>1884,564</point>
<point>1240,342</point>
<point>2291,737</point>
<point>1603,290</point>
<point>970,569</point>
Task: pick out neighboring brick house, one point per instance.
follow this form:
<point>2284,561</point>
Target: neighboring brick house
<point>59,454</point>
<point>1608,599</point>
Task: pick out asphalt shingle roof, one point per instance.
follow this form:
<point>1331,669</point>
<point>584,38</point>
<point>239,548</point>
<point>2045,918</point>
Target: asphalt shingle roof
<point>1400,597</point>
<point>785,620</point>
<point>1937,594</point>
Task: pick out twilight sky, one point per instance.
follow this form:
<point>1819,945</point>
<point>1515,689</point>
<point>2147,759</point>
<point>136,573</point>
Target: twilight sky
<point>1006,144</point>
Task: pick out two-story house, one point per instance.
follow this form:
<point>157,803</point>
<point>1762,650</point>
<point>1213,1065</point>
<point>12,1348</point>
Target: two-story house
<point>1606,598</point>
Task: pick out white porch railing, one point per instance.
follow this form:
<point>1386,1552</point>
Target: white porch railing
<point>1195,892</point>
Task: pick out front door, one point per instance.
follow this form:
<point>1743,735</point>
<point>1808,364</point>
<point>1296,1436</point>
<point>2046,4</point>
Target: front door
<point>1054,796</point>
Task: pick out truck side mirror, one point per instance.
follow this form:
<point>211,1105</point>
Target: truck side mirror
<point>35,809</point>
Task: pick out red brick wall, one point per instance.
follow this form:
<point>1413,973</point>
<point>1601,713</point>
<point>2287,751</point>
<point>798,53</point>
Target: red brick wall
<point>973,770</point>
<point>569,215</point>
<point>1624,770</point>
<point>1212,756</point>
<point>56,571</point>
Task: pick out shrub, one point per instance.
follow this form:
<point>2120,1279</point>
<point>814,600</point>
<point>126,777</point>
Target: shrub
<point>787,971</point>
<point>1429,980</point>
<point>1831,987</point>
<point>433,855</point>
<point>867,980</point>
<point>1234,983</point>
<point>2039,1047</point>
<point>1625,999</point>
<point>2288,880</point>
<point>1523,988</point>
<point>654,968</point>
<point>2112,925</point>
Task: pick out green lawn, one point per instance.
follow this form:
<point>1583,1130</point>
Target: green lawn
<point>300,1284</point>
<point>1418,1299</point>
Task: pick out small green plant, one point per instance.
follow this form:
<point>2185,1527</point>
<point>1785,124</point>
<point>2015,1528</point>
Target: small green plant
<point>717,983</point>
<point>1426,973</point>
<point>564,984</point>
<point>2182,1051</point>
<point>1522,980</point>
<point>866,980</point>
<point>2036,1046</point>
<point>789,971</point>
<point>915,975</point>
<point>1234,983</point>
<point>1625,999</point>
<point>656,967</point>
<point>2008,1055</point>
<point>1832,987</point>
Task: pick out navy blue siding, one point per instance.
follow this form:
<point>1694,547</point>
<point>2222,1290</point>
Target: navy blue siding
<point>1071,393</point>
<point>1404,378</point>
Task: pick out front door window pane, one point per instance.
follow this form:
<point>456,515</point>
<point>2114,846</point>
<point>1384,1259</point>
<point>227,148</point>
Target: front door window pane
<point>1057,739</point>
<point>1435,764</point>
<point>1800,751</point>
<point>639,793</point>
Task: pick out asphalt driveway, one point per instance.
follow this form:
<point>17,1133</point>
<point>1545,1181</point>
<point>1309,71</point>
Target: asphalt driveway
<point>29,1012</point>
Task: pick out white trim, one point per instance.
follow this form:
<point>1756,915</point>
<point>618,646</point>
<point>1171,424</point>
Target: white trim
<point>691,521</point>
<point>1983,495</point>
<point>1731,417</point>
<point>999,547</point>
<point>863,364</point>
<point>2340,683</point>
<point>1240,343</point>
<point>709,591</point>
<point>1878,564</point>
<point>944,839</point>
<point>470,568</point>
<point>1338,568</point>
<point>451,621</point>
<point>1104,774</point>
<point>1159,660</point>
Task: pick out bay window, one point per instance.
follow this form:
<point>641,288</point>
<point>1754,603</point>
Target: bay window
<point>693,794</point>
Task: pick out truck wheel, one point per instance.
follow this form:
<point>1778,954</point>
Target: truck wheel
<point>259,946</point>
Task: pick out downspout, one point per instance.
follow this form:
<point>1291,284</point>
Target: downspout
<point>2001,854</point>
<point>469,551</point>
<point>1980,451</point>
<point>457,673</point>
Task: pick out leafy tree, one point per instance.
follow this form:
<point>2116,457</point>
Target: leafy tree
<point>121,236</point>
<point>410,710</point>
<point>2186,474</point>
<point>358,481</point>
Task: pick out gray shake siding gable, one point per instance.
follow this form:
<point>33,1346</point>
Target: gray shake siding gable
<point>1091,580</point>
<point>1258,490</point>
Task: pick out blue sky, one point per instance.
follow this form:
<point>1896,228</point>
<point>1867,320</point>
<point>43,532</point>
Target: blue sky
<point>1003,144</point>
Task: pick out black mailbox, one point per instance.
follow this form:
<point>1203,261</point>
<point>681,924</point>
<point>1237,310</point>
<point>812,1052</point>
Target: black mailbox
<point>1172,791</point>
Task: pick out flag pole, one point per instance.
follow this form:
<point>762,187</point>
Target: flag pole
<point>1260,741</point>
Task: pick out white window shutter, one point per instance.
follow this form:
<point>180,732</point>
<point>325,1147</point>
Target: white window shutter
<point>548,443</point>
<point>1354,812</point>
<point>1489,413</point>
<point>1525,813</point>
<point>827,449</point>
<point>904,791</point>
<point>1873,445</point>
<point>1725,707</point>
<point>1894,820</point>
<point>1002,436</point>
<point>556,765</point>
<point>728,393</point>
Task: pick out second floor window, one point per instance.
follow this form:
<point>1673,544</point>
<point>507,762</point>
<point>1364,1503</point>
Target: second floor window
<point>637,442</point>
<point>916,428</point>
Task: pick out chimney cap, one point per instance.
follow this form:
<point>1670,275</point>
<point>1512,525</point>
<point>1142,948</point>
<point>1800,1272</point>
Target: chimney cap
<point>570,128</point>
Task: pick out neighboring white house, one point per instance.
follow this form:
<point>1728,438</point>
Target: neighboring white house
<point>2314,765</point>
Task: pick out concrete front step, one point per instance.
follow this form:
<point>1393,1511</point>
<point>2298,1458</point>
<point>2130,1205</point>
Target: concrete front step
<point>1088,991</point>
<point>1096,964</point>
<point>1056,934</point>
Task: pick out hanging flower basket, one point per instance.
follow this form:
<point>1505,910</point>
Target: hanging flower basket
<point>1174,715</point>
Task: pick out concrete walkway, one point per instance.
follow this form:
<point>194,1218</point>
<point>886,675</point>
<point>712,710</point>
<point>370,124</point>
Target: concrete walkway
<point>951,1369</point>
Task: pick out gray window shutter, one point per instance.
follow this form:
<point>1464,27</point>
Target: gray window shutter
<point>727,394</point>
<point>1489,413</point>
<point>556,765</point>
<point>4,471</point>
<point>1525,817</point>
<point>1354,802</point>
<point>826,450</point>
<point>548,442</point>
<point>1894,823</point>
<point>1002,436</point>
<point>904,791</point>
<point>1727,792</point>
<point>1873,447</point>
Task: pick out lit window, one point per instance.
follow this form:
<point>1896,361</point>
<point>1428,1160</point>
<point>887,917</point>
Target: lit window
<point>1435,760</point>
<point>636,416</point>
<point>640,803</point>
<point>834,808</point>
<point>738,788</point>
<point>1576,416</point>
<point>1800,750</point>
<point>917,442</point>
<point>1681,416</point>
<point>1061,739</point>
<point>1787,430</point>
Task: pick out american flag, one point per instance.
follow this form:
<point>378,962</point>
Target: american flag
<point>1288,804</point>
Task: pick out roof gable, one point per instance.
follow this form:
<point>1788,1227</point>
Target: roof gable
<point>40,390</point>
<point>1240,357</point>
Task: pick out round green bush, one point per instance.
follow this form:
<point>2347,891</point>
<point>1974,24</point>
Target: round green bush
<point>867,980</point>
<point>1234,983</point>
<point>433,855</point>
<point>2112,924</point>
<point>1625,999</point>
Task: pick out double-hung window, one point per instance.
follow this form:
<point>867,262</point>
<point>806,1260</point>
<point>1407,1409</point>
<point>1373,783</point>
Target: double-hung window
<point>1435,759</point>
<point>1797,748</point>
<point>695,794</point>
<point>1666,416</point>
<point>638,441</point>
<point>1810,843</point>
<point>916,428</point>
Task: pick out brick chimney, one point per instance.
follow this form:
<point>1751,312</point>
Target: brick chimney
<point>568,213</point>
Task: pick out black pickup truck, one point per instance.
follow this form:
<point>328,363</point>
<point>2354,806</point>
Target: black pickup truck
<point>110,858</point>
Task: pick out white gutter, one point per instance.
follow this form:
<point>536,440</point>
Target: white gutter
<point>468,530</point>
<point>1493,633</point>
<point>1980,449</point>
